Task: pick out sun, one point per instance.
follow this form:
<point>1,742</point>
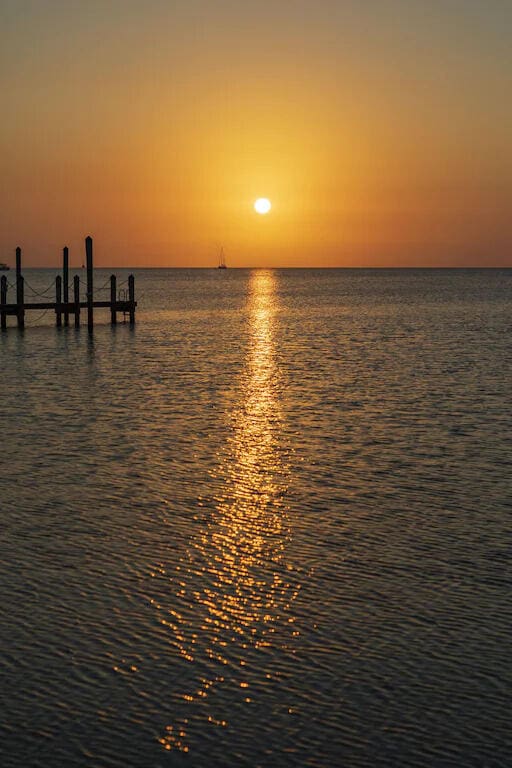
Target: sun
<point>262,205</point>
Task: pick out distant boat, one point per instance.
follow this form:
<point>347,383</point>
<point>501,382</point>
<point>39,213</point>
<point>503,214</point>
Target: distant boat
<point>222,260</point>
<point>4,267</point>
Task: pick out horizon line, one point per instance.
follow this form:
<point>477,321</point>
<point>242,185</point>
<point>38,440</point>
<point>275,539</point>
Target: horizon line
<point>380,267</point>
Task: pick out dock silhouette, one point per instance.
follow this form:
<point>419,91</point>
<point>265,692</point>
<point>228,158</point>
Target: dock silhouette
<point>122,302</point>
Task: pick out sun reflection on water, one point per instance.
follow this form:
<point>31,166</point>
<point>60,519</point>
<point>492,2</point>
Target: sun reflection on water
<point>234,586</point>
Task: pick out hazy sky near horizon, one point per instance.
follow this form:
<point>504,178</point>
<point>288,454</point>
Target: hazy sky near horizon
<point>380,129</point>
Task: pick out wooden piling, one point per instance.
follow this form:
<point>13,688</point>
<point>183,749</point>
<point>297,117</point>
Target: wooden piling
<point>20,291</point>
<point>113,299</point>
<point>3,301</point>
<point>131,298</point>
<point>18,263</point>
<point>58,301</point>
<point>65,281</point>
<point>20,304</point>
<point>90,289</point>
<point>76,296</point>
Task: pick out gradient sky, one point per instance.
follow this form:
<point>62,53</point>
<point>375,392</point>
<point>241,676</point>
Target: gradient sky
<point>380,129</point>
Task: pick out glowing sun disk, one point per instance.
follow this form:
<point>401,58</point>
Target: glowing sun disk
<point>262,205</point>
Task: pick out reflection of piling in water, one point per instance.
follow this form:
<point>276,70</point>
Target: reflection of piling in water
<point>62,306</point>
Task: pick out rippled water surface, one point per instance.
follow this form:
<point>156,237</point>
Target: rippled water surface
<point>268,526</point>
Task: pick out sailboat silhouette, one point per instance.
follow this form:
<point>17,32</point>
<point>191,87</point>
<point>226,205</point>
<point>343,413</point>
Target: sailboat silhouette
<point>222,260</point>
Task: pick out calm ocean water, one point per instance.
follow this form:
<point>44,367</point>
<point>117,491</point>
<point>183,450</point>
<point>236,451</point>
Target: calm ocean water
<point>268,526</point>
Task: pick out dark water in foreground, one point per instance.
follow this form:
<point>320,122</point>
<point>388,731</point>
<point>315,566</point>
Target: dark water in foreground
<point>269,526</point>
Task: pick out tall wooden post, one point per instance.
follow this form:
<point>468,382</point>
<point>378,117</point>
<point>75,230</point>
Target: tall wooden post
<point>3,300</point>
<point>90,289</point>
<point>58,301</point>
<point>20,290</point>
<point>76,292</point>
<point>65,280</point>
<point>18,267</point>
<point>131,298</point>
<point>113,299</point>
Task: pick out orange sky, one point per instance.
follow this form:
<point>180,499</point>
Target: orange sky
<point>381,135</point>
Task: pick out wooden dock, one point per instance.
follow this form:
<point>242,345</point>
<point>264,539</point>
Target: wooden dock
<point>63,306</point>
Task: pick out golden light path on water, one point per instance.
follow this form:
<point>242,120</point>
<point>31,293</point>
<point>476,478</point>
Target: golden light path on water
<point>240,613</point>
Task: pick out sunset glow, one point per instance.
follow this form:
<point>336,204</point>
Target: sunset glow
<point>382,132</point>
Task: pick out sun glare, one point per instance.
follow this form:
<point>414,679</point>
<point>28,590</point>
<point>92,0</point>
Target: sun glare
<point>262,205</point>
